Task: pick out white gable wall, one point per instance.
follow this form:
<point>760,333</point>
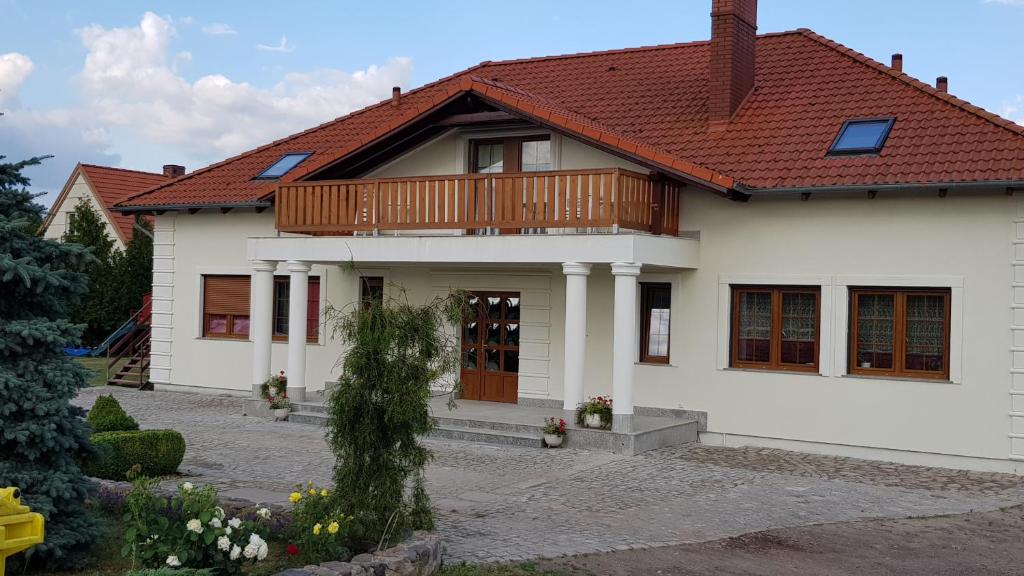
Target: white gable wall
<point>78,191</point>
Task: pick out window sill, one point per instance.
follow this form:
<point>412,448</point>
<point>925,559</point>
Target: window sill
<point>214,339</point>
<point>657,364</point>
<point>765,371</point>
<point>898,379</point>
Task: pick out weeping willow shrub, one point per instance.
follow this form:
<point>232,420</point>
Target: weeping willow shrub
<point>396,352</point>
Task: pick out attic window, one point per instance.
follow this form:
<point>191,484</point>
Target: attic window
<point>862,136</point>
<point>283,166</point>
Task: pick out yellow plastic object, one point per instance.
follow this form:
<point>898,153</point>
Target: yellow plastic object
<point>19,527</point>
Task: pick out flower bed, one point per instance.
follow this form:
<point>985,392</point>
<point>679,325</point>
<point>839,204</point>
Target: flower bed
<point>420,555</point>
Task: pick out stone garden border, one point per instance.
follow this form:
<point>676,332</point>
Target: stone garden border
<point>420,555</point>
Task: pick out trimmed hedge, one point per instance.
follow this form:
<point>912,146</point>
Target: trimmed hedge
<point>158,452</point>
<point>106,415</point>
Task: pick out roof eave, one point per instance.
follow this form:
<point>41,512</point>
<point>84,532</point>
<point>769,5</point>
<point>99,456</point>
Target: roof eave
<point>1005,185</point>
<point>183,207</point>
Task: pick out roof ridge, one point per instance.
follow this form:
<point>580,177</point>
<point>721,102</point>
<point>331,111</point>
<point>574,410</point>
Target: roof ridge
<point>650,47</point>
<point>320,126</point>
<point>914,82</point>
<point>119,169</point>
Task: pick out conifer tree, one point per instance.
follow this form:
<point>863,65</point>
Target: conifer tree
<point>100,309</point>
<point>42,436</point>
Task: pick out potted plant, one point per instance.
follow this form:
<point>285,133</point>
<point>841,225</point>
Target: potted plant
<point>554,432</point>
<point>275,392</point>
<point>595,413</point>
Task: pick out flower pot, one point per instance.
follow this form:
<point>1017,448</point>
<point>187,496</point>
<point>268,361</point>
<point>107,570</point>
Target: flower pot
<point>553,440</point>
<point>281,413</point>
<point>592,420</point>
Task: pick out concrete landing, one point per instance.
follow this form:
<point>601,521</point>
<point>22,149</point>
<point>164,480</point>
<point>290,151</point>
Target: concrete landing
<point>520,425</point>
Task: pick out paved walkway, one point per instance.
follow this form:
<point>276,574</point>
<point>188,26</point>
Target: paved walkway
<point>499,503</point>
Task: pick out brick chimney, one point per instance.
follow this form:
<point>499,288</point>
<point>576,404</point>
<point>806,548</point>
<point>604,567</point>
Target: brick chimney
<point>733,39</point>
<point>173,170</point>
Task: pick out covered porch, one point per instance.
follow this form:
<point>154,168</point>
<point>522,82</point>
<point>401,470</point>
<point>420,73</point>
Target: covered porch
<point>573,255</point>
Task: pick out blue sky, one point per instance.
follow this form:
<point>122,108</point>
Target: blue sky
<point>141,84</point>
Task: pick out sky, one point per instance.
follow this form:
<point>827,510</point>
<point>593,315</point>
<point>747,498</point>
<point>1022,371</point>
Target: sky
<point>140,84</point>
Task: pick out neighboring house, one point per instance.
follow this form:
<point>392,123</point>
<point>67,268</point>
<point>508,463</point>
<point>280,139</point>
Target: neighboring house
<point>103,187</point>
<point>816,250</point>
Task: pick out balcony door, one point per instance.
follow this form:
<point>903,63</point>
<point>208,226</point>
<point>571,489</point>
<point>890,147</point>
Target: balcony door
<point>490,347</point>
<point>513,154</point>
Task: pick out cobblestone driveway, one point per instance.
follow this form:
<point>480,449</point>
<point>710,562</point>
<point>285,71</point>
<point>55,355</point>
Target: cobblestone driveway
<point>504,503</point>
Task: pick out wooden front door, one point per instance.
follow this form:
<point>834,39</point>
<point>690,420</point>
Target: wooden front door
<point>490,347</point>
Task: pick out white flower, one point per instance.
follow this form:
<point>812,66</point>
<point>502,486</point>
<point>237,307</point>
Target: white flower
<point>273,390</point>
<point>262,552</point>
<point>263,513</point>
<point>219,512</point>
<point>187,486</point>
<point>227,530</point>
<point>155,536</point>
<point>215,522</point>
<point>234,522</point>
<point>195,525</point>
<point>254,538</point>
<point>251,550</point>
<point>235,552</point>
<point>223,543</point>
<point>173,561</point>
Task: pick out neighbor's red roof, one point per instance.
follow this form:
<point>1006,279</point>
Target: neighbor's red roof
<point>114,185</point>
<point>651,102</point>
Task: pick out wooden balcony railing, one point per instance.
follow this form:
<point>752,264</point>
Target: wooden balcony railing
<point>566,199</point>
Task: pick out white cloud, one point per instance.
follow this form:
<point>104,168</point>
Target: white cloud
<point>14,69</point>
<point>219,30</point>
<point>132,99</point>
<point>282,47</point>
<point>1014,110</point>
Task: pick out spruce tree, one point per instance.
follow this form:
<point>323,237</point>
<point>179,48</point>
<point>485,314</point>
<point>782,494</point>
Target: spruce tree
<point>42,436</point>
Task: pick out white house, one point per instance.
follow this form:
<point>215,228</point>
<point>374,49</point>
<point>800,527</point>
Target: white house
<point>102,187</point>
<point>815,250</point>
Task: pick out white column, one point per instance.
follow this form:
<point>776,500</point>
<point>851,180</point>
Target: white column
<point>261,306</point>
<point>298,301</point>
<point>575,334</point>
<point>624,345</point>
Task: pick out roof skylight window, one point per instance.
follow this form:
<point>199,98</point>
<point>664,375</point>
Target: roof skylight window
<point>283,166</point>
<point>862,136</point>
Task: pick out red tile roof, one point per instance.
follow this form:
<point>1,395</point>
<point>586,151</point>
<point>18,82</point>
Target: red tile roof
<point>111,186</point>
<point>651,102</point>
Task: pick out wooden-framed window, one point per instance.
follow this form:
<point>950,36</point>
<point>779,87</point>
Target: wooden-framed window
<point>900,332</point>
<point>282,288</point>
<point>371,290</point>
<point>776,327</point>
<point>226,307</point>
<point>655,316</point>
<point>513,154</point>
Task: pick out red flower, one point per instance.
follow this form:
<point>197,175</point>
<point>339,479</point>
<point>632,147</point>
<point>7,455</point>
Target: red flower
<point>292,550</point>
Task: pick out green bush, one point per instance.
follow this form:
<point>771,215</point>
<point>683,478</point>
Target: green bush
<point>157,452</point>
<point>107,415</point>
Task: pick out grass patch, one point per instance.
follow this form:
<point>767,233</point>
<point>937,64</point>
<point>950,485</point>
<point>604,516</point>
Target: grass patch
<point>98,366</point>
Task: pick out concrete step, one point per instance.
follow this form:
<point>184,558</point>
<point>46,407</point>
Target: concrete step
<point>301,417</point>
<point>489,426</point>
<point>313,407</point>
<point>450,429</point>
<point>485,436</point>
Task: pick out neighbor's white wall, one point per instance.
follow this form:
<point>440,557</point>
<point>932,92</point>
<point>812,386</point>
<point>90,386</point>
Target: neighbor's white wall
<point>79,191</point>
<point>923,236</point>
<point>214,243</point>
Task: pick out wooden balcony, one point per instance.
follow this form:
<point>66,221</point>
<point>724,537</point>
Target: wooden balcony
<point>565,201</point>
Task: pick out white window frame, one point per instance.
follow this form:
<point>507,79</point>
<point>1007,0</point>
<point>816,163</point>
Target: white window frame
<point>824,283</point>
<point>956,317</point>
